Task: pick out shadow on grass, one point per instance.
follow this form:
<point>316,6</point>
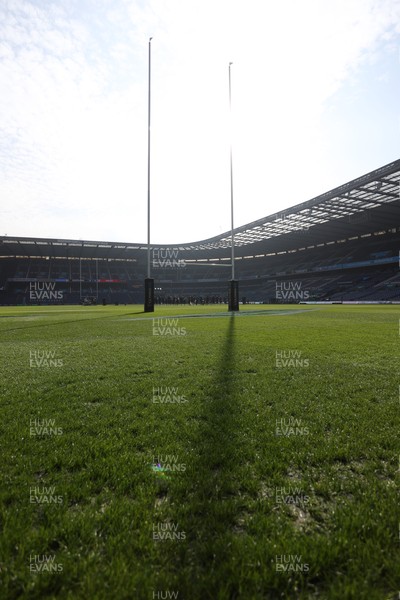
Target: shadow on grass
<point>64,322</point>
<point>205,501</point>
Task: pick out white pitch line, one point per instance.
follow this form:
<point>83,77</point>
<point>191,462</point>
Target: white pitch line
<point>224,314</point>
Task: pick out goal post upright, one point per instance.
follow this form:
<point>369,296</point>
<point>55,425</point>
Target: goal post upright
<point>233,291</point>
<point>149,281</point>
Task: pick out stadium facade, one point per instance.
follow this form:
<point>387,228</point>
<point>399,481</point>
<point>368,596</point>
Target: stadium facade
<point>340,246</point>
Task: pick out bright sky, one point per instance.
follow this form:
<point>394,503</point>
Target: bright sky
<point>315,103</point>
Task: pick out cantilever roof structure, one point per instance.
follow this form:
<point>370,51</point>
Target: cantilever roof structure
<point>377,189</point>
<point>370,202</point>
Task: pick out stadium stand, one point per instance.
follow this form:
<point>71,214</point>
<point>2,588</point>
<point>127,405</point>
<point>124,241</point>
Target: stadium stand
<point>340,246</point>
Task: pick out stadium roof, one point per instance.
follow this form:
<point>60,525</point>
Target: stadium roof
<point>368,203</point>
<point>379,189</point>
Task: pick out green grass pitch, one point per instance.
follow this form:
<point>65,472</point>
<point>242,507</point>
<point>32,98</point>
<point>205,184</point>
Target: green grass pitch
<point>208,457</point>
